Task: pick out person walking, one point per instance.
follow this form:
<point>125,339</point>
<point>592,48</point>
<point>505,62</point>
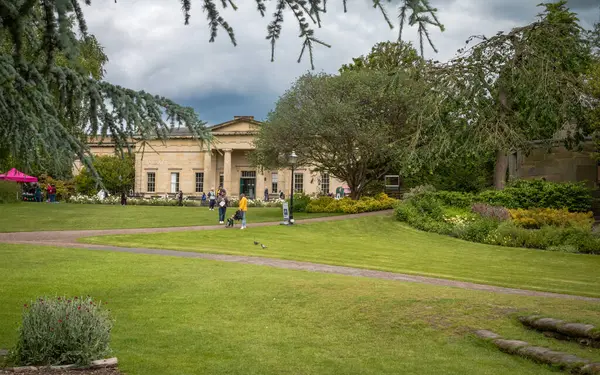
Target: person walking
<point>243,207</point>
<point>266,194</point>
<point>123,199</point>
<point>222,202</point>
<point>180,198</point>
<point>211,199</point>
<point>203,199</point>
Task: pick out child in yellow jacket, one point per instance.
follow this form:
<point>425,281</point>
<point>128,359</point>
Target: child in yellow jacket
<point>243,206</point>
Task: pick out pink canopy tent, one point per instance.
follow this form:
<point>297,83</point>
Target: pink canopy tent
<point>17,176</point>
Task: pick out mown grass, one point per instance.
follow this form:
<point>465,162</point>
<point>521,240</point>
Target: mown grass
<point>26,217</point>
<point>189,316</point>
<point>381,243</point>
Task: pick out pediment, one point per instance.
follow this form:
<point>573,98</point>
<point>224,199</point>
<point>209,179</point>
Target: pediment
<point>242,125</point>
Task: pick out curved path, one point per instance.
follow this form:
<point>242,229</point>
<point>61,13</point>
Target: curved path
<point>69,239</point>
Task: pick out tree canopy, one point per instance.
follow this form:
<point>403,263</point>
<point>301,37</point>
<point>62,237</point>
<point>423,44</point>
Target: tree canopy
<point>509,90</point>
<point>52,95</point>
<point>386,57</point>
<point>346,125</point>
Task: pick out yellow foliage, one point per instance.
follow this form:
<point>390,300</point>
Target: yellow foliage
<point>539,217</point>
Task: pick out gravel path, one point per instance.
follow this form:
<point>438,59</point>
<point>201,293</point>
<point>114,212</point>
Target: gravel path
<point>69,239</point>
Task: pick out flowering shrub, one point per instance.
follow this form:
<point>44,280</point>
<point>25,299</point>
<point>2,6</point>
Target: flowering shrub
<point>165,201</point>
<point>58,331</point>
<point>559,230</point>
<point>491,212</point>
<point>539,217</point>
<point>348,206</point>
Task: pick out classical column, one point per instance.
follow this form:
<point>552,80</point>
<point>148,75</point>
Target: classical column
<point>227,170</point>
<point>209,174</point>
<point>260,184</point>
<point>281,180</point>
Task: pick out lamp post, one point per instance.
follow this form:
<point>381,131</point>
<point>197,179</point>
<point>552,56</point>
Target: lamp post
<point>292,159</point>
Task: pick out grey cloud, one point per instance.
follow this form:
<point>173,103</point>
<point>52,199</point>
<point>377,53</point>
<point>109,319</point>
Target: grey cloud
<point>150,48</point>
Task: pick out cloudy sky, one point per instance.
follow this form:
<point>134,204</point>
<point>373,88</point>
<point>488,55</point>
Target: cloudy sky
<point>150,49</point>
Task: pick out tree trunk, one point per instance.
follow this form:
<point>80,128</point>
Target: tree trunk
<point>355,192</point>
<point>500,170</point>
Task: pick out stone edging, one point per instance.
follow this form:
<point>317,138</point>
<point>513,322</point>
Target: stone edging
<point>585,334</point>
<point>100,363</point>
<point>564,361</point>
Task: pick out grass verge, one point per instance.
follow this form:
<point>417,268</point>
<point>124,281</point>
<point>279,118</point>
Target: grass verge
<point>184,316</point>
<point>383,244</point>
<point>27,217</point>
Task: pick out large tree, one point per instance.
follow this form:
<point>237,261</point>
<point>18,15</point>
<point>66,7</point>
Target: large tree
<point>386,57</point>
<point>49,101</point>
<point>511,89</point>
<point>345,125</point>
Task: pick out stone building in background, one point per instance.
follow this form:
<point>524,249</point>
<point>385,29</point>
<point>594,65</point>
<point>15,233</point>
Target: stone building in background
<point>181,163</point>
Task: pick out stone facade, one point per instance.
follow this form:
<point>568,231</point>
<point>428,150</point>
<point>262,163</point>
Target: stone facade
<point>181,163</point>
<point>557,164</point>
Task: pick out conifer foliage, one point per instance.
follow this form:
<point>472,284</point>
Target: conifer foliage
<point>52,96</point>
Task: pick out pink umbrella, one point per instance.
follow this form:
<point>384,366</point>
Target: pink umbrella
<point>17,176</point>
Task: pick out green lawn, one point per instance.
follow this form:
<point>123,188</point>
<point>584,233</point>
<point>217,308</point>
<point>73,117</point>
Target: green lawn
<point>191,316</point>
<point>384,244</point>
<point>24,217</point>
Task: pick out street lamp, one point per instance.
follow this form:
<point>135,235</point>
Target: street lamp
<point>292,159</point>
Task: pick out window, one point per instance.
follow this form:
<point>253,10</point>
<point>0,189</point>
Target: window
<point>174,182</point>
<point>248,174</point>
<point>324,183</point>
<point>199,182</point>
<point>274,181</point>
<point>221,179</point>
<point>298,182</point>
<point>392,182</point>
<point>151,182</point>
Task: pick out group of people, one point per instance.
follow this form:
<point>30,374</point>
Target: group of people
<point>36,190</point>
<point>221,200</point>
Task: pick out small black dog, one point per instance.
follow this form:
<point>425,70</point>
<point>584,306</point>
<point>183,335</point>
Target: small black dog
<point>235,217</point>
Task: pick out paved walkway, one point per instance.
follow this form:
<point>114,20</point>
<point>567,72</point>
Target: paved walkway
<point>69,239</point>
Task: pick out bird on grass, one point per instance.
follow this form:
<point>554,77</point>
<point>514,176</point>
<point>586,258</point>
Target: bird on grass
<point>263,246</point>
<point>256,242</point>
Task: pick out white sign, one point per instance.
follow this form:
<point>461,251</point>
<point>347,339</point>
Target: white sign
<point>286,212</point>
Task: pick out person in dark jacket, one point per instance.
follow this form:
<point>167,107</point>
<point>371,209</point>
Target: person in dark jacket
<point>180,198</point>
<point>123,199</point>
<point>222,201</point>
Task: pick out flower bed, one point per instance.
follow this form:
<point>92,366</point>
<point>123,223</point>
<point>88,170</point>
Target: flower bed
<point>349,206</point>
<point>165,201</point>
<point>537,228</point>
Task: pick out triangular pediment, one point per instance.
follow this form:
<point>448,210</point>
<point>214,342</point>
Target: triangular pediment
<point>237,125</point>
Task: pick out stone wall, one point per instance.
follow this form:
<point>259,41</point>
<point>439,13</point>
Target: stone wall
<point>559,165</point>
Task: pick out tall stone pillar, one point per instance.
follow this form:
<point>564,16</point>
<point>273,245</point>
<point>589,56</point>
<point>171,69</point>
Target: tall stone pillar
<point>227,170</point>
<point>209,175</point>
<point>260,184</point>
<point>281,182</point>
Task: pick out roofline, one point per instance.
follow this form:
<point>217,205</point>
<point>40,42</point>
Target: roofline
<point>250,120</point>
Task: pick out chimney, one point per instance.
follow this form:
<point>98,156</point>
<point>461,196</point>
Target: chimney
<point>243,117</point>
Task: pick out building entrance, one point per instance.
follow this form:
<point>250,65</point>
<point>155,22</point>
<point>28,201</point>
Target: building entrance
<point>248,184</point>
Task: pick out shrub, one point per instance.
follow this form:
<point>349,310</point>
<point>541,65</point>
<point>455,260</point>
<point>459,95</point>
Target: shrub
<point>301,201</point>
<point>538,217</point>
<point>346,205</point>
<point>491,212</point>
<point>501,198</point>
<point>526,194</point>
<point>418,191</point>
<point>475,230</point>
<point>454,198</point>
<point>64,189</point>
<point>9,191</point>
<point>58,331</point>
